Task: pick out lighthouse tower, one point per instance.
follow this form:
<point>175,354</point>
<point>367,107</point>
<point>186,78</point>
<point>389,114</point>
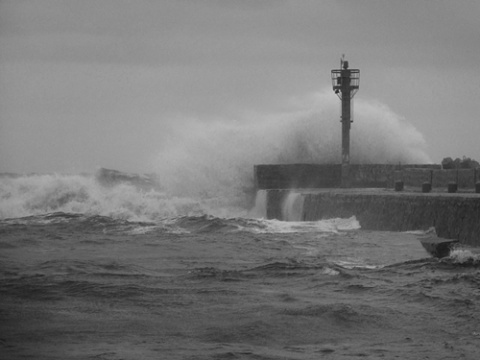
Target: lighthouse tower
<point>345,84</point>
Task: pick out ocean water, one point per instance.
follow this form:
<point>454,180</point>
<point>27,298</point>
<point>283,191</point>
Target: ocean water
<point>110,266</point>
<point>182,264</point>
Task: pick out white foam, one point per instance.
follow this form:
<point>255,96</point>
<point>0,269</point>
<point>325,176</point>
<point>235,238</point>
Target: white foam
<point>462,256</point>
<point>333,226</point>
<point>355,263</point>
<point>41,194</point>
<point>330,271</point>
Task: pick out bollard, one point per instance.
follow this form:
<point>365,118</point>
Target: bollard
<point>398,185</point>
<point>452,187</point>
<point>426,187</point>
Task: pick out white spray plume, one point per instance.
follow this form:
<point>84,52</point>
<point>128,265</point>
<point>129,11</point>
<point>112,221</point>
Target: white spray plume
<point>207,167</point>
<point>216,158</point>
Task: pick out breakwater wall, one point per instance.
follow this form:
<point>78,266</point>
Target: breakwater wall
<point>302,176</point>
<point>439,178</point>
<point>454,216</point>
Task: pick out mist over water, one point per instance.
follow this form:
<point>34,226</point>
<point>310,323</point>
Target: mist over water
<point>206,167</point>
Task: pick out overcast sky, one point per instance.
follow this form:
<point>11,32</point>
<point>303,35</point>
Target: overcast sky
<point>88,83</point>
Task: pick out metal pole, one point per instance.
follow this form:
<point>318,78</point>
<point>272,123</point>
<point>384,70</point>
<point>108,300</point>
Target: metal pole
<point>346,123</point>
<point>345,83</point>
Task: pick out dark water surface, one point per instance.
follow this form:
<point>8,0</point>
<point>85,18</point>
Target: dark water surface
<point>79,287</point>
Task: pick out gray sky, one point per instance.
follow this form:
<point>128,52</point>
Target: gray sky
<point>88,83</point>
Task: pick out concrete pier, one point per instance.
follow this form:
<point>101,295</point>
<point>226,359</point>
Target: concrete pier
<point>454,216</point>
<point>373,199</point>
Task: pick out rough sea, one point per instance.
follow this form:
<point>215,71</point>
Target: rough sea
<point>108,266</point>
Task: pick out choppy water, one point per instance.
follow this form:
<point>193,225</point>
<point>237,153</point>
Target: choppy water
<point>74,286</point>
<point>91,270</point>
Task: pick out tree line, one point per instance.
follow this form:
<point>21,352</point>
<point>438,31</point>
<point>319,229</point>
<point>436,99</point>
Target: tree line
<point>464,163</point>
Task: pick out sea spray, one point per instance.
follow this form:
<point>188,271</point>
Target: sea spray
<point>40,194</point>
<point>206,167</point>
<point>259,210</point>
<point>292,207</point>
<point>464,257</point>
<point>215,158</point>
